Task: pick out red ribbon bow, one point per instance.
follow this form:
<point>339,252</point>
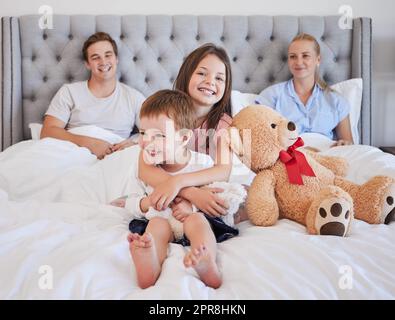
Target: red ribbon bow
<point>296,163</point>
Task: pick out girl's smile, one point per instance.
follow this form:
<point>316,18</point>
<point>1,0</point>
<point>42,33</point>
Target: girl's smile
<point>207,83</point>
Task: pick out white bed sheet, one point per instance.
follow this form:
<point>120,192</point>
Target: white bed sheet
<point>59,217</point>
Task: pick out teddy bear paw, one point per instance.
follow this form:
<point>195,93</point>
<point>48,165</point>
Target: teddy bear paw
<point>333,217</point>
<point>388,211</point>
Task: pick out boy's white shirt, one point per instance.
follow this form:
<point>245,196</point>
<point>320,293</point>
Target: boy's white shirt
<point>197,162</point>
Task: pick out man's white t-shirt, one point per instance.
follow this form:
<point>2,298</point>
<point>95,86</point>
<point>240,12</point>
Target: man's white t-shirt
<point>76,105</point>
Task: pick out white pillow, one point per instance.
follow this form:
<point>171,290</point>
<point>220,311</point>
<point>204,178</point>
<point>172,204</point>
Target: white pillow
<point>241,100</point>
<point>89,131</point>
<point>351,90</point>
<point>35,130</point>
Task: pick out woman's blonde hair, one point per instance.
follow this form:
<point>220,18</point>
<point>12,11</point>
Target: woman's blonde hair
<point>317,49</point>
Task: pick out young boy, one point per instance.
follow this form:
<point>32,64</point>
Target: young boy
<point>166,123</point>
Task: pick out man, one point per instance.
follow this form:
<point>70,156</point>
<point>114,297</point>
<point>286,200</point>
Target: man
<point>101,101</point>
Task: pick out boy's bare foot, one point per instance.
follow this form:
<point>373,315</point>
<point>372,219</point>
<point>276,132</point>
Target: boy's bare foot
<point>205,265</point>
<point>143,252</point>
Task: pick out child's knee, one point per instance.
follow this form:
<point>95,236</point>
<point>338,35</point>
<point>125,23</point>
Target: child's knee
<point>159,223</point>
<point>196,219</point>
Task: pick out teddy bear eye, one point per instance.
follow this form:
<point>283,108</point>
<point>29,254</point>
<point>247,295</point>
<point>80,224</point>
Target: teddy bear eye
<point>273,125</point>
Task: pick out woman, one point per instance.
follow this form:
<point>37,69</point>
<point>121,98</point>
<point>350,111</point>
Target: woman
<point>306,99</point>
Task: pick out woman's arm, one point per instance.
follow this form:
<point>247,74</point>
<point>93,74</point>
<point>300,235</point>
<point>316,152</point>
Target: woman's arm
<point>55,128</point>
<point>343,132</point>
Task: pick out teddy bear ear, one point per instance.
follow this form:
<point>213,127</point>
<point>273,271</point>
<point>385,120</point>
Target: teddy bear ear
<point>235,142</point>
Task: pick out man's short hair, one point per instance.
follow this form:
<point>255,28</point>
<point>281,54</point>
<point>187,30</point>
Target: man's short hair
<point>96,37</point>
<point>176,105</point>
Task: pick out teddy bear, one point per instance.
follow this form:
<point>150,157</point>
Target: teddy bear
<point>304,186</point>
<point>234,195</point>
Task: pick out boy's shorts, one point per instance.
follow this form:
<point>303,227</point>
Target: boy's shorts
<point>221,230</point>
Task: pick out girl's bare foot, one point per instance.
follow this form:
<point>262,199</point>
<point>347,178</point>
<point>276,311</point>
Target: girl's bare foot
<point>143,252</point>
<point>205,265</point>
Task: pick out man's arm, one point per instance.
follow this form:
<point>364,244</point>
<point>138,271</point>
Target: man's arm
<point>55,128</point>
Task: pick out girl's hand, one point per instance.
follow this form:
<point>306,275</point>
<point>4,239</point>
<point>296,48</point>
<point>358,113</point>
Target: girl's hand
<point>206,200</point>
<point>165,193</point>
<point>341,142</point>
<point>120,202</point>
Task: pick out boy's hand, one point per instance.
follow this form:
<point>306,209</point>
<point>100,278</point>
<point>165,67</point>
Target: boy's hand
<point>165,193</point>
<point>206,200</point>
<point>120,202</point>
<point>181,209</point>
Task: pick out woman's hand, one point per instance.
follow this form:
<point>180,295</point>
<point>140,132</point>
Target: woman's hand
<point>181,209</point>
<point>341,142</point>
<point>165,193</point>
<point>123,144</point>
<point>206,200</point>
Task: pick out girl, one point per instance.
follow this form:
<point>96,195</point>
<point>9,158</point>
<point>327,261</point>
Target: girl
<point>306,99</point>
<point>206,77</point>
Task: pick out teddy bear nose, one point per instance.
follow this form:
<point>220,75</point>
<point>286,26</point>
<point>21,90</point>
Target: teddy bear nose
<point>291,126</point>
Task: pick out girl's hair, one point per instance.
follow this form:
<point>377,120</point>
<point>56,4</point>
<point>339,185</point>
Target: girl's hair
<point>317,49</point>
<point>188,68</point>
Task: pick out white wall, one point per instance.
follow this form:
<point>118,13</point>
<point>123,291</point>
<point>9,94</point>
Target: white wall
<point>381,11</point>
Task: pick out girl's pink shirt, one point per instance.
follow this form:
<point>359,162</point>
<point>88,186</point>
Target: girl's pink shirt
<point>198,141</point>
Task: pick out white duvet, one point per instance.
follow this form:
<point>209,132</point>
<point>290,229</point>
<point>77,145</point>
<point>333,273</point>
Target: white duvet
<point>54,219</point>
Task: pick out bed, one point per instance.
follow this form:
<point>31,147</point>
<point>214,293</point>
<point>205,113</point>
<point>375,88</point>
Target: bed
<point>55,221</point>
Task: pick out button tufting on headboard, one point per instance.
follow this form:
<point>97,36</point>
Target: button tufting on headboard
<point>149,57</point>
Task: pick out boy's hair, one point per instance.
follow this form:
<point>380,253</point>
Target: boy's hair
<point>96,37</point>
<point>175,104</point>
<point>189,66</point>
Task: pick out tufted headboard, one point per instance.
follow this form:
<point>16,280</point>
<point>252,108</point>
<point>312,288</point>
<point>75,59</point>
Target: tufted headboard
<point>36,63</point>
